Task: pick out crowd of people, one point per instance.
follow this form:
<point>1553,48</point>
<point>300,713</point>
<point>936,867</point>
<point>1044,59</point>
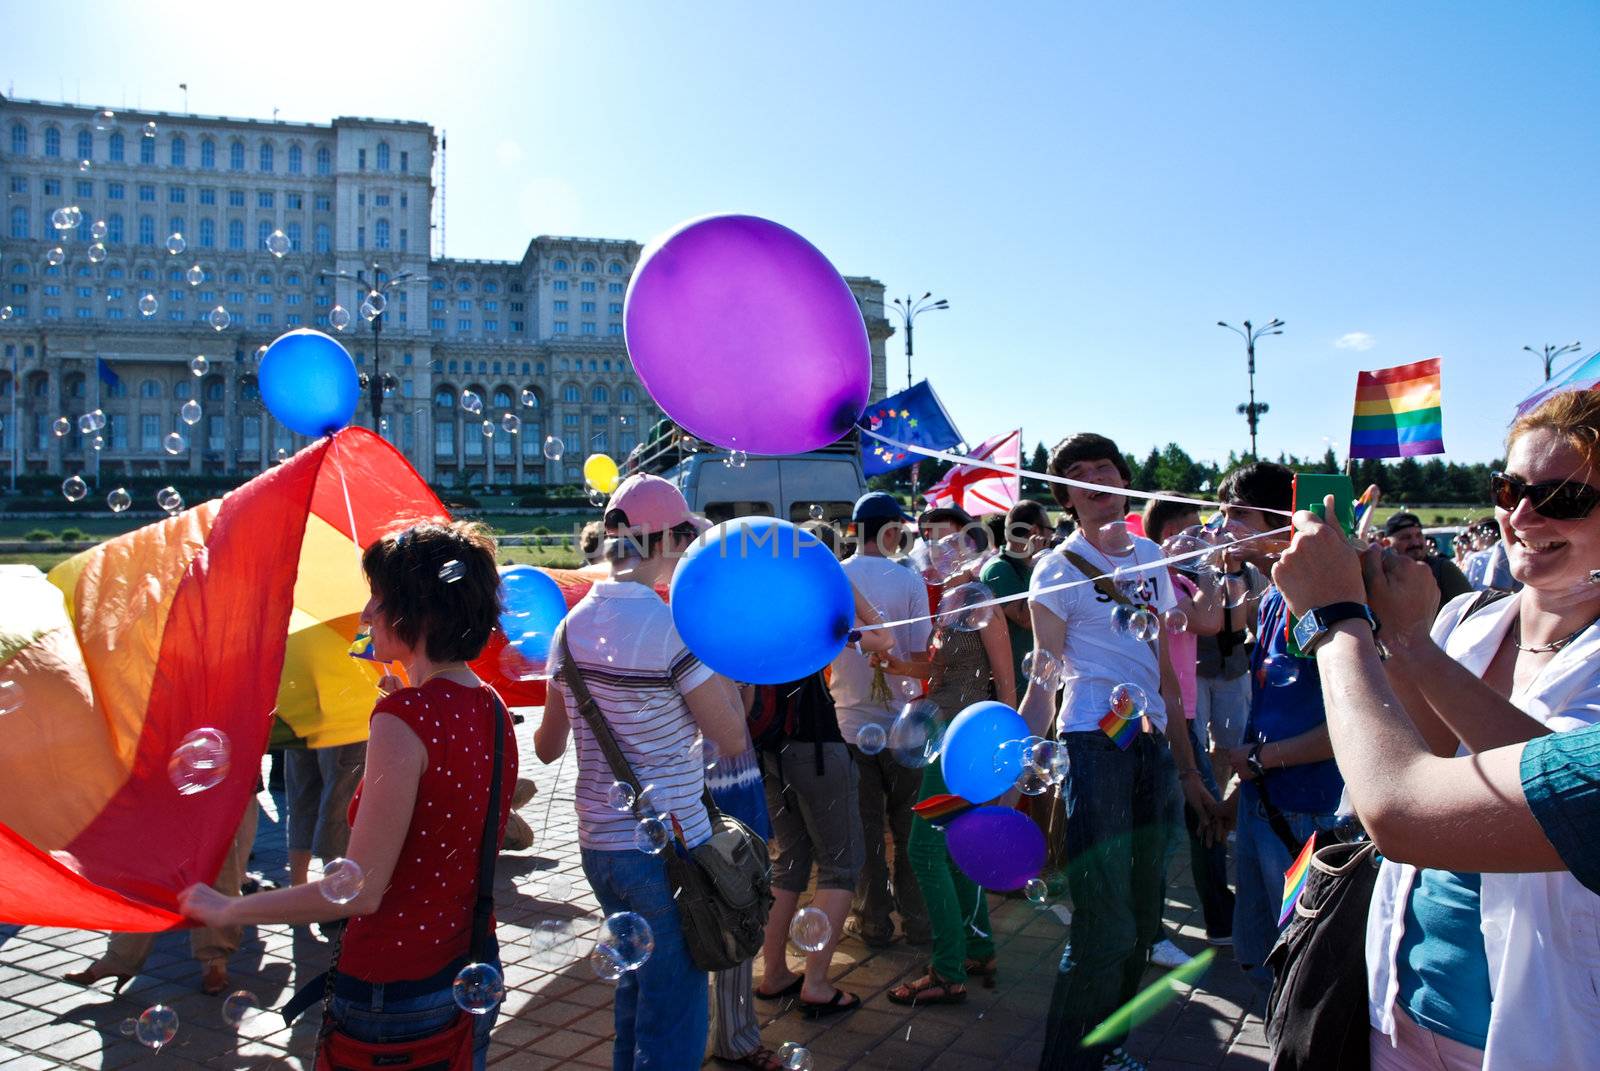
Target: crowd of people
<point>1441,707</point>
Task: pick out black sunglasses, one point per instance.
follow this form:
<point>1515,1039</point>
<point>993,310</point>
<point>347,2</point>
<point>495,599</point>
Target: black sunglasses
<point>1559,500</point>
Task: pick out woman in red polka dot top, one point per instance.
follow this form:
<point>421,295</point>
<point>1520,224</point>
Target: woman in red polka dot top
<point>417,820</point>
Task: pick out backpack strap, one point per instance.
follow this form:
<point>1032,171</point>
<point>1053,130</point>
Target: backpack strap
<point>1102,583</point>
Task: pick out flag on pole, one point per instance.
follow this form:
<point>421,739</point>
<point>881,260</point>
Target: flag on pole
<point>107,376</point>
<point>1398,412</point>
<point>915,417</point>
<point>980,490</point>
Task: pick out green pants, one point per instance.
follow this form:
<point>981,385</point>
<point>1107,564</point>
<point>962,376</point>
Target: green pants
<point>958,911</point>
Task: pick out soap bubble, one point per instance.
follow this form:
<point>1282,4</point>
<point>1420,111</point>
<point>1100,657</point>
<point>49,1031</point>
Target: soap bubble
<point>1175,621</point>
<point>6,312</point>
<point>174,443</point>
<point>511,422</point>
<point>619,797</point>
<point>119,499</point>
<point>97,252</point>
<point>795,1056</point>
<point>1036,891</point>
<point>97,419</point>
<point>200,761</point>
<point>1129,701</point>
<point>66,218</point>
<point>1009,755</point>
<point>219,318</point>
<point>470,402</point>
<point>914,736</point>
<point>478,988</point>
<point>10,697</point>
<point>195,275</point>
<point>128,1027</point>
<point>176,243</point>
<point>169,499</point>
<point>554,448</point>
<point>199,364</point>
<point>647,800</point>
<point>1280,670</point>
<point>189,412</point>
<point>342,880</point>
<point>528,398</point>
<point>552,942</point>
<point>278,244</point>
<point>239,1007</point>
<point>488,429</point>
<point>150,129</point>
<point>815,511</point>
<point>105,120</point>
<point>1114,538</point>
<point>55,256</point>
<point>339,317</point>
<point>962,607</point>
<point>97,444</point>
<point>261,351</point>
<point>1144,626</point>
<point>157,1025</point>
<point>148,305</point>
<point>98,230</point>
<point>1042,668</point>
<point>736,459</point>
<point>74,488</point>
<point>650,836</point>
<point>451,571</point>
<point>810,929</point>
<point>374,305</point>
<point>626,936</point>
<point>1033,782</point>
<point>604,964</point>
<point>1122,619</point>
<point>871,738</point>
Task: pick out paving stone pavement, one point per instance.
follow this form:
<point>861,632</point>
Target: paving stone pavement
<point>558,1014</point>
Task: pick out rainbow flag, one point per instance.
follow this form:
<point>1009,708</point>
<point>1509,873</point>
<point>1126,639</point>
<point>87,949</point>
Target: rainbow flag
<point>1294,879</point>
<point>942,809</point>
<point>1364,506</point>
<point>1398,411</point>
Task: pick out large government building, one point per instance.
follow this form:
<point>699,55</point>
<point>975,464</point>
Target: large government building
<point>197,236</point>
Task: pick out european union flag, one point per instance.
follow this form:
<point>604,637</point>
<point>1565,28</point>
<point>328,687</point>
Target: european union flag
<point>107,376</point>
<point>914,416</point>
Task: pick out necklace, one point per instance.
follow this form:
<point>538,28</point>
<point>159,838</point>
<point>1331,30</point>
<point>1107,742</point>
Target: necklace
<point>1545,648</point>
<point>437,672</point>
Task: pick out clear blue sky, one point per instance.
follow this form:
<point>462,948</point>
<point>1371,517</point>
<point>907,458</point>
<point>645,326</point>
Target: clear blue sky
<point>1091,188</point>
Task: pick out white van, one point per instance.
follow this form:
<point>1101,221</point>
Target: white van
<point>722,485</point>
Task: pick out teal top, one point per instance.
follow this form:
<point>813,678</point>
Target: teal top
<point>1561,780</point>
<point>1444,971</point>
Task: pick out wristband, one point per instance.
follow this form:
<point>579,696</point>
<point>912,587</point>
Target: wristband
<point>1253,760</point>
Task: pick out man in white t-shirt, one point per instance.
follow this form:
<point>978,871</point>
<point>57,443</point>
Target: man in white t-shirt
<point>1121,794</point>
<point>862,696</point>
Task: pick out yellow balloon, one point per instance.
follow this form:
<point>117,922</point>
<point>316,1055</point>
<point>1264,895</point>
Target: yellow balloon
<point>600,472</point>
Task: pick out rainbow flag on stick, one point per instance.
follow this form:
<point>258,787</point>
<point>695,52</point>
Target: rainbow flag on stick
<point>1294,879</point>
<point>1398,412</point>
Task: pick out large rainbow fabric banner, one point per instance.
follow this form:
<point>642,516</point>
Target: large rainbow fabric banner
<point>221,616</point>
<point>1398,411</point>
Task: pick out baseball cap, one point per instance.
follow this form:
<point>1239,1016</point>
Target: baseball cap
<point>878,506</point>
<point>650,504</point>
<point>1401,521</point>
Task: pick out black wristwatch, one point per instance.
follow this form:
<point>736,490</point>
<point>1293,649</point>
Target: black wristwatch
<point>1313,627</point>
<point>1253,760</point>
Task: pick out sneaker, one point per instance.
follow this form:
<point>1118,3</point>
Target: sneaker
<point>1225,941</point>
<point>1168,955</point>
<point>1121,1060</point>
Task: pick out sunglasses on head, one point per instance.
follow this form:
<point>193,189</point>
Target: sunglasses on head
<point>1558,500</point>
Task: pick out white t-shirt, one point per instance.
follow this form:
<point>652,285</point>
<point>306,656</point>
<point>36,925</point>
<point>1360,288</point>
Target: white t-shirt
<point>897,593</point>
<point>637,668</point>
<point>1096,658</point>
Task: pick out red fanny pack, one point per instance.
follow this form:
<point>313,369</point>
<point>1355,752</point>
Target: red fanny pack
<point>448,1050</point>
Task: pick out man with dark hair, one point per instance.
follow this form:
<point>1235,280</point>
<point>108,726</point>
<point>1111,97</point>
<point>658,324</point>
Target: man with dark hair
<point>1122,721</point>
<point>863,697</point>
<point>1027,528</point>
<point>1290,785</point>
<point>1402,532</point>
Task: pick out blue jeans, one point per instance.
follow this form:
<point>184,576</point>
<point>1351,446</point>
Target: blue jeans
<point>1121,806</point>
<point>662,1012</point>
<point>408,1020</point>
<point>1262,859</point>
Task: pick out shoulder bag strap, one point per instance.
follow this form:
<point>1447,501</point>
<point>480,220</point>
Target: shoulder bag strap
<point>483,909</point>
<point>1102,583</point>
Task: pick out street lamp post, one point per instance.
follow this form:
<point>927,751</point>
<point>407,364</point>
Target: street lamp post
<point>378,380</point>
<point>1253,410</point>
<point>908,311</point>
<point>1549,354</point>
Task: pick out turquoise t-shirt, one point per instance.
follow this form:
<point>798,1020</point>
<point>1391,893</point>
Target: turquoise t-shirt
<point>1561,780</point>
<point>1444,971</point>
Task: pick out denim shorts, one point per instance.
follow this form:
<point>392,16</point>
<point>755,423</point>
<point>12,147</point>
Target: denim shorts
<point>377,1019</point>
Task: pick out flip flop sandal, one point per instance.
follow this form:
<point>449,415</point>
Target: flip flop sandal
<point>913,994</point>
<point>790,990</point>
<point>841,1002</point>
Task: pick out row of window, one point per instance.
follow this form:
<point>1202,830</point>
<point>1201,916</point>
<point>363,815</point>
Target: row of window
<point>178,151</point>
<point>177,195</point>
<point>588,267</point>
<point>445,396</point>
<point>322,233</point>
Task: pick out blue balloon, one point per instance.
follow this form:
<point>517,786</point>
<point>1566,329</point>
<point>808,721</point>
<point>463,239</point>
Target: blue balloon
<point>309,383</point>
<point>759,600</point>
<point>531,606</point>
<point>974,767</point>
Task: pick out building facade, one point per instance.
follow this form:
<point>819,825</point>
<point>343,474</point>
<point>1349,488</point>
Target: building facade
<point>199,236</point>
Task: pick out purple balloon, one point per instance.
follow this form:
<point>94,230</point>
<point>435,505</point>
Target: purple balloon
<point>746,336</point>
<point>996,847</point>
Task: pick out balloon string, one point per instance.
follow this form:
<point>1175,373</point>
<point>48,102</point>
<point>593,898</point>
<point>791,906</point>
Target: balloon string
<point>1137,567</point>
<point>1012,470</point>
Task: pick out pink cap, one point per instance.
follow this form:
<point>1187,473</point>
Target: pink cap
<point>651,504</point>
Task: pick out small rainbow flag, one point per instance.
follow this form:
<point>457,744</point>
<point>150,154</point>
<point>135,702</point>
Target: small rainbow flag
<point>1121,721</point>
<point>1364,506</point>
<point>362,647</point>
<point>1398,411</point>
<point>942,809</point>
<point>1294,879</point>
